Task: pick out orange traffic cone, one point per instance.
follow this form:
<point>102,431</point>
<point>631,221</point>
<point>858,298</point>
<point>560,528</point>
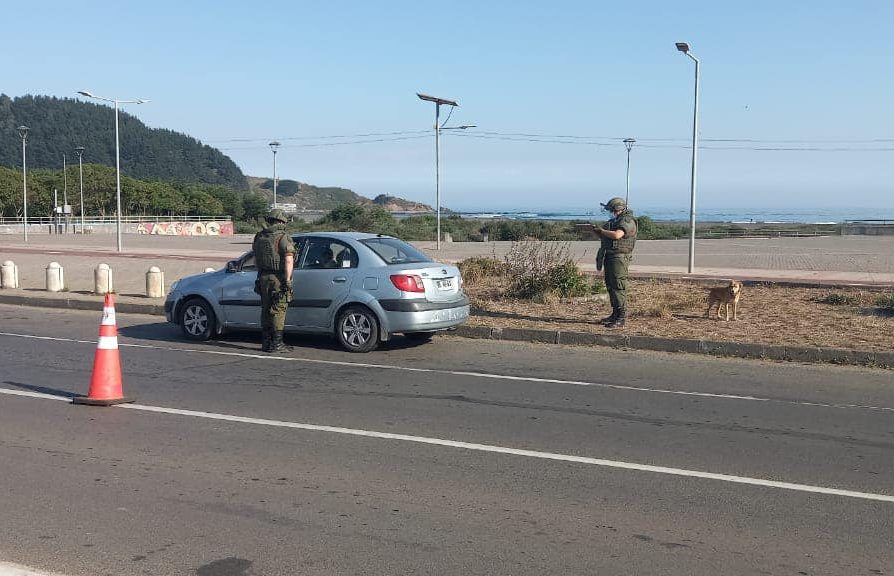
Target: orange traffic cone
<point>105,385</point>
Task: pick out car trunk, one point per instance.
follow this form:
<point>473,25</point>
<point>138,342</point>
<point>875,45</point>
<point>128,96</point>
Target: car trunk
<point>441,281</point>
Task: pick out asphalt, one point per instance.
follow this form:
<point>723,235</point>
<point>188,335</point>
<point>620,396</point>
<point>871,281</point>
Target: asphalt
<point>134,491</point>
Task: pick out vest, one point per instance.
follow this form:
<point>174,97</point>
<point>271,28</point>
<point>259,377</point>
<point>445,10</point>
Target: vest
<point>624,245</point>
<point>266,247</point>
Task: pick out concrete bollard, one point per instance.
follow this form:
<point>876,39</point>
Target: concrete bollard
<point>155,283</point>
<point>55,277</point>
<point>208,270</point>
<point>102,279</point>
<point>9,275</point>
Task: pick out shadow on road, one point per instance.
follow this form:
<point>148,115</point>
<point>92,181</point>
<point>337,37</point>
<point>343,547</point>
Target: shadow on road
<point>248,341</point>
<point>43,389</point>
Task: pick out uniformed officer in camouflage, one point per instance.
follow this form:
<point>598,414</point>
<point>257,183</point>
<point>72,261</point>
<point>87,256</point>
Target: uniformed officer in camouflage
<point>618,237</point>
<point>275,257</point>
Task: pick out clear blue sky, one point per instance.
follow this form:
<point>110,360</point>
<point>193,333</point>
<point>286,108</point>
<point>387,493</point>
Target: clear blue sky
<point>807,71</point>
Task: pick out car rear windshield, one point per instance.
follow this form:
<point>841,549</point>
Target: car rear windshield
<point>394,251</point>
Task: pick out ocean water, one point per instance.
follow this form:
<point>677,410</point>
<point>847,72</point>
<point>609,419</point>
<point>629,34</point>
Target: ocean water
<point>737,215</point>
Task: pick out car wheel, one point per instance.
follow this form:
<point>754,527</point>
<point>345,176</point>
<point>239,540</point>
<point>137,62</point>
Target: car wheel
<point>357,329</point>
<point>419,336</point>
<point>197,320</point>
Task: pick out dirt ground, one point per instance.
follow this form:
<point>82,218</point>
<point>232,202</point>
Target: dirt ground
<point>768,314</point>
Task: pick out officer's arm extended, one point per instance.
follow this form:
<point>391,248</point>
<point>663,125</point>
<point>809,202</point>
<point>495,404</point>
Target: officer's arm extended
<point>610,234</point>
<point>289,260</point>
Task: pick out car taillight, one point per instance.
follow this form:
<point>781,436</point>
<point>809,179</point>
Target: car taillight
<point>407,282</point>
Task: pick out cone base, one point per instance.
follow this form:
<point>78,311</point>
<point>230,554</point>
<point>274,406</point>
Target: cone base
<point>100,401</point>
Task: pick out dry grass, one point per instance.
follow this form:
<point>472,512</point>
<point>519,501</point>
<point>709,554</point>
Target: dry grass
<point>855,319</point>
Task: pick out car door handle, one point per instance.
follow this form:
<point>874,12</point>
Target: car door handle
<point>340,279</point>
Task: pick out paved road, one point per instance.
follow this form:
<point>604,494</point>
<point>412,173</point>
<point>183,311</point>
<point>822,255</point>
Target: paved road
<point>455,457</point>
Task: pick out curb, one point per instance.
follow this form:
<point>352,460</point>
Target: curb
<point>707,347</point>
<point>617,341</point>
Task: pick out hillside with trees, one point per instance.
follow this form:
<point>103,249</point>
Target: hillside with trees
<point>138,197</point>
<point>59,125</point>
<point>310,197</point>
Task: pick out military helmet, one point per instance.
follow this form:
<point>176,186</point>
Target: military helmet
<point>614,205</point>
<point>277,215</point>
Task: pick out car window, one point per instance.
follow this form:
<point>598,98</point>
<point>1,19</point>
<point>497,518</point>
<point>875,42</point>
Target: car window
<point>248,263</point>
<point>328,254</point>
<point>394,251</point>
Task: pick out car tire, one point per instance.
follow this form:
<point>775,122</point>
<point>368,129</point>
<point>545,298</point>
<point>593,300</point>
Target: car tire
<point>357,329</point>
<point>419,336</point>
<point>197,320</point>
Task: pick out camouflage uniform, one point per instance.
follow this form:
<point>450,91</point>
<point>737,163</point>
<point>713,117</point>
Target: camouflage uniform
<point>270,246</point>
<point>615,256</point>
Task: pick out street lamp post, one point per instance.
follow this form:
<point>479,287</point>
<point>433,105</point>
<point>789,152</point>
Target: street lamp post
<point>65,190</point>
<point>628,142</point>
<point>438,102</point>
<point>684,48</point>
<point>80,151</point>
<point>23,132</point>
<point>117,102</point>
<point>274,146</point>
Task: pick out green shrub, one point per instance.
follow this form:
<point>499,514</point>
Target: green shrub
<point>886,303</point>
<point>538,270</point>
<point>476,268</point>
<point>839,299</point>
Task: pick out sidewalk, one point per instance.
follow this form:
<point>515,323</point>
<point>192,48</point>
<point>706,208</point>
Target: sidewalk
<point>182,256</point>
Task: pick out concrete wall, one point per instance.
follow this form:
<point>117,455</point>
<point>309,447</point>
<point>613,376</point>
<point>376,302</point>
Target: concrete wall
<point>170,228</point>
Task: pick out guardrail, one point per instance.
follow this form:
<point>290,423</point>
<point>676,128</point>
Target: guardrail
<point>772,231</point>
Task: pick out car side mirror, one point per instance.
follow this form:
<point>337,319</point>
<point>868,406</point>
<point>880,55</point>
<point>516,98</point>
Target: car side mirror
<point>231,267</point>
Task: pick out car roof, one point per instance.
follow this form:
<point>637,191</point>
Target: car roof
<point>342,235</point>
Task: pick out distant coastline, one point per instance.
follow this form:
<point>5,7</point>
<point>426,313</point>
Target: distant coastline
<point>726,216</point>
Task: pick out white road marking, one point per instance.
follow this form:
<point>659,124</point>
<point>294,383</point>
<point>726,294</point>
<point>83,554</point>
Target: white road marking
<point>485,375</point>
<point>493,449</point>
<point>8,569</point>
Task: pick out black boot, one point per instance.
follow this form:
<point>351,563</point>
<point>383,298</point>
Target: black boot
<point>266,341</point>
<point>619,320</point>
<point>277,345</point>
<point>609,319</point>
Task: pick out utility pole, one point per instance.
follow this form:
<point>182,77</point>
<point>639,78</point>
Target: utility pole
<point>438,102</point>
<point>628,142</point>
<point>23,132</point>
<point>274,146</point>
<point>684,48</point>
<point>80,151</point>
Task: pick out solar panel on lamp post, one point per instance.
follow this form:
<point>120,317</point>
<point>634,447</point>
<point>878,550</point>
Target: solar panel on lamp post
<point>117,102</point>
<point>684,48</point>
<point>438,102</point>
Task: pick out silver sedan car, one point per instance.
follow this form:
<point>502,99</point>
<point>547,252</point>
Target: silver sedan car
<point>361,288</point>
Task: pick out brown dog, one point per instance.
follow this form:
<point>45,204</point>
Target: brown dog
<point>724,296</point>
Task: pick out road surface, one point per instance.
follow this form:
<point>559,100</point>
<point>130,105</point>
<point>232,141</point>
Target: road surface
<point>454,457</point>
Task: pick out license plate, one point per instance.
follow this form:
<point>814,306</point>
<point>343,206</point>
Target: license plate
<point>446,284</point>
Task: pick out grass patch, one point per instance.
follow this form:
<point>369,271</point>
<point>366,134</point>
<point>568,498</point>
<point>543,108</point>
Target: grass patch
<point>839,299</point>
<point>886,303</point>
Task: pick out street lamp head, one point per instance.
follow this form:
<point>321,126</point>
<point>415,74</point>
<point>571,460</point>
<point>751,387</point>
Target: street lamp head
<point>274,145</point>
<point>436,100</point>
<point>85,93</point>
<point>142,101</point>
<point>683,47</point>
<point>629,142</point>
<point>23,131</point>
<point>80,149</point>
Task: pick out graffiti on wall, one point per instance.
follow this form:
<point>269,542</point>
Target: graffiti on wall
<point>186,228</point>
